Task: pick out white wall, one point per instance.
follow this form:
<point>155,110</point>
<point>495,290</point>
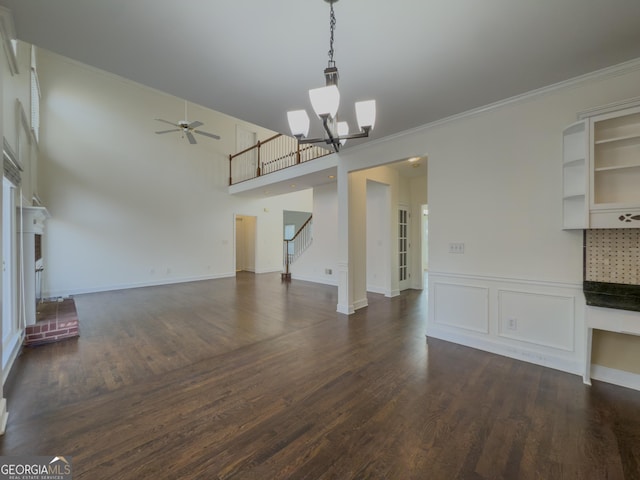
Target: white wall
<point>376,272</point>
<point>321,254</point>
<point>418,188</point>
<point>15,129</point>
<point>297,219</point>
<point>495,184</point>
<point>130,207</point>
<point>16,113</point>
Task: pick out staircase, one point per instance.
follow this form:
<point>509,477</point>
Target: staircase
<point>294,247</point>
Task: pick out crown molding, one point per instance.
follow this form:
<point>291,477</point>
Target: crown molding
<point>612,71</point>
<point>611,107</point>
<point>8,34</point>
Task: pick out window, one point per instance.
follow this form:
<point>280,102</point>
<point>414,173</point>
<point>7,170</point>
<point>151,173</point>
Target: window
<point>35,97</point>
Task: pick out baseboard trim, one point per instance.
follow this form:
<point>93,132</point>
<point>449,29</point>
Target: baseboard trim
<point>345,309</point>
<point>314,279</point>
<point>4,416</point>
<point>125,286</point>
<point>536,357</point>
<point>374,289</point>
<point>621,378</point>
<point>16,347</point>
<point>358,304</point>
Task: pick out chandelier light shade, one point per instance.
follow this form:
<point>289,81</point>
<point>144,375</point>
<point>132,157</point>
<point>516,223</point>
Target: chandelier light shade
<point>366,114</point>
<point>325,102</point>
<point>298,123</point>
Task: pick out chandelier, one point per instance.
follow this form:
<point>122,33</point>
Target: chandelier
<point>325,101</point>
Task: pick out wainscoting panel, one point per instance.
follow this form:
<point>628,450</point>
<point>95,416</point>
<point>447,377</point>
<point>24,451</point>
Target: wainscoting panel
<point>531,320</point>
<point>462,306</point>
<point>542,319</point>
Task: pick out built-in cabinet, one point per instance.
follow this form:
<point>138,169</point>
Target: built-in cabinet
<point>575,176</point>
<point>601,171</point>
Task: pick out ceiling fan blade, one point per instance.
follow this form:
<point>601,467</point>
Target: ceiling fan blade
<point>166,121</point>
<point>195,124</point>
<point>192,139</point>
<point>212,135</point>
<point>167,131</point>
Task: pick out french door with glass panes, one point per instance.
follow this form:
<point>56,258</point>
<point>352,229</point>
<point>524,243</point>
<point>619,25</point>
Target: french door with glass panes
<point>404,275</point>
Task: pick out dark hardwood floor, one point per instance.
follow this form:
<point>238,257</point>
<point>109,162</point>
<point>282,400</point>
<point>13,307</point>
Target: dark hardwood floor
<point>250,378</point>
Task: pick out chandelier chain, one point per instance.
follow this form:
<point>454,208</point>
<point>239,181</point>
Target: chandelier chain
<point>332,25</point>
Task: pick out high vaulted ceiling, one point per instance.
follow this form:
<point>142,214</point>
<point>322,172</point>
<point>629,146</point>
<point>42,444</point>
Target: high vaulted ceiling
<point>422,60</point>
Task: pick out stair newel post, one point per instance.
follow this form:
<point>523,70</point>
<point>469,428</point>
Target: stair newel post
<point>298,151</point>
<point>230,169</point>
<point>258,168</point>
<point>286,275</point>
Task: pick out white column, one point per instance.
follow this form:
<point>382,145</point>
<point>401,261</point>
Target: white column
<point>345,283</point>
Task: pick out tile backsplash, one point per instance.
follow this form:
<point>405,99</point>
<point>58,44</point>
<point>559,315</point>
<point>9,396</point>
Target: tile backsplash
<point>613,255</point>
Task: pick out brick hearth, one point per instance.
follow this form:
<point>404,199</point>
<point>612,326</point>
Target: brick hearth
<point>55,321</point>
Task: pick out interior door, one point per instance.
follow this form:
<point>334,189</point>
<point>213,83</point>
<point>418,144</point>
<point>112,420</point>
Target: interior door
<point>404,275</point>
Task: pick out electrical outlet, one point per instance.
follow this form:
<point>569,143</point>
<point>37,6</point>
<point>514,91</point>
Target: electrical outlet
<point>456,247</point>
<point>512,323</point>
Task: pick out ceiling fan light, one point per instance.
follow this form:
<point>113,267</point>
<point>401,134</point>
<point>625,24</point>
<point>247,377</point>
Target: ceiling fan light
<point>343,130</point>
<point>325,100</point>
<point>366,114</point>
<point>298,123</point>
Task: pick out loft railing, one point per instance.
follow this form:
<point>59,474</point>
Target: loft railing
<point>271,155</point>
<point>295,246</point>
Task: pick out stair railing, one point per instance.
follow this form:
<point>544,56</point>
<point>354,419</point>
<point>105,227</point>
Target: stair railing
<point>271,155</point>
<point>295,246</point>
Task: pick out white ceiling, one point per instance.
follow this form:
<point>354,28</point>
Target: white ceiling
<point>422,60</point>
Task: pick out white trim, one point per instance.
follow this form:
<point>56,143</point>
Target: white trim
<point>44,54</point>
<point>512,336</point>
<point>15,345</point>
<point>265,270</point>
<point>8,33</point>
<point>4,415</point>
<point>9,154</point>
<point>315,279</point>
<point>520,348</point>
<point>109,288</point>
<point>612,71</point>
<point>485,330</point>
<point>23,118</point>
<point>611,107</point>
<point>518,352</point>
<point>345,309</point>
<point>380,290</point>
<point>615,377</point>
<point>358,304</point>
<point>522,281</point>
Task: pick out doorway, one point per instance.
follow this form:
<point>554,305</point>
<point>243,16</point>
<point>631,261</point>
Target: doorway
<point>404,269</point>
<point>378,240</point>
<point>425,245</point>
<point>246,232</point>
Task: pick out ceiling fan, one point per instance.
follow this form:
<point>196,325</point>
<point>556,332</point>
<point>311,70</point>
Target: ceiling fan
<point>187,128</point>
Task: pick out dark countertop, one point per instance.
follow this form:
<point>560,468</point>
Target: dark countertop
<point>612,295</point>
